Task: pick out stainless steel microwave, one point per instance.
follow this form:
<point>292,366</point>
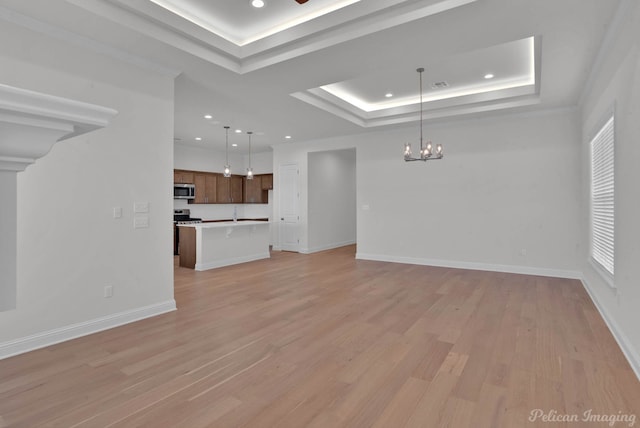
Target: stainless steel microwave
<point>184,191</point>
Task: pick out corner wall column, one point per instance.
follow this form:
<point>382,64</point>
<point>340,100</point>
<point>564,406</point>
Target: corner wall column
<point>30,124</point>
<point>8,239</point>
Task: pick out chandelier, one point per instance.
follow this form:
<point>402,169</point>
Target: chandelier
<point>426,151</point>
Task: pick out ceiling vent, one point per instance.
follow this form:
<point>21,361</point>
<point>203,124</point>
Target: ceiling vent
<point>439,85</point>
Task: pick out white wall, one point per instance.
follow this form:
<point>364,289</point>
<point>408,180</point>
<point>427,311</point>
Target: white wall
<point>209,160</point>
<point>331,199</point>
<point>69,246</point>
<point>262,163</point>
<point>616,83</point>
<point>206,159</point>
<point>507,183</point>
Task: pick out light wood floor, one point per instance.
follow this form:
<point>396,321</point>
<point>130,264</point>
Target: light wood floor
<point>326,341</point>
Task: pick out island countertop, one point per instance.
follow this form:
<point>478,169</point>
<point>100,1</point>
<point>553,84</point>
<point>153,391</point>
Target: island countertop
<point>223,224</point>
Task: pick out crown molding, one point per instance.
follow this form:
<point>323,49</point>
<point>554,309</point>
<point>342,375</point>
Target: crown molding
<point>31,123</point>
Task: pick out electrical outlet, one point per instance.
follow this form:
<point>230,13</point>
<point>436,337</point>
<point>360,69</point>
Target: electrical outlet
<point>108,291</point>
<point>523,252</point>
<point>117,212</point>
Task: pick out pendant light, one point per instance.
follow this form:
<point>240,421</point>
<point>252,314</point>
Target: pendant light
<point>249,170</point>
<point>227,168</point>
<point>426,152</point>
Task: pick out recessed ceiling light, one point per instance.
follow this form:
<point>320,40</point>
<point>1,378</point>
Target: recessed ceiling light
<point>234,145</point>
<point>388,95</point>
<point>288,137</point>
<point>198,139</point>
<point>238,131</point>
<point>208,116</point>
<point>257,3</point>
<point>488,76</point>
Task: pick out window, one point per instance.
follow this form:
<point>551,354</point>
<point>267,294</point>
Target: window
<point>602,198</point>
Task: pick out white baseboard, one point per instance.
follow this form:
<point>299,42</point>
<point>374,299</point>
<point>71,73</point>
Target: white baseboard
<point>524,270</point>
<point>73,331</point>
<point>232,261</point>
<point>623,341</point>
<point>327,247</point>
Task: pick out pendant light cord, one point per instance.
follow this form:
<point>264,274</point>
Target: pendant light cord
<point>250,132</point>
<point>420,71</point>
<point>226,128</point>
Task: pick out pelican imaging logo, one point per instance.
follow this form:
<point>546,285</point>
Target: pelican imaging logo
<point>551,416</point>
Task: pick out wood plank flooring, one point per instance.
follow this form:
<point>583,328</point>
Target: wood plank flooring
<point>327,341</point>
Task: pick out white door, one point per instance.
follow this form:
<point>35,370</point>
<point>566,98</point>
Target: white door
<point>289,207</point>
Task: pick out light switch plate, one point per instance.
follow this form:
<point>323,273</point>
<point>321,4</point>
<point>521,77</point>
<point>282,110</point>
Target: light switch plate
<point>141,207</point>
<point>117,212</point>
<point>141,222</point>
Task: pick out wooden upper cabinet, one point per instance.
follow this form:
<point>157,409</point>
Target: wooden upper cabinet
<point>236,189</point>
<point>267,181</point>
<point>229,189</point>
<point>211,188</point>
<point>205,188</point>
<point>200,183</point>
<point>253,190</point>
<point>183,177</point>
<point>214,188</point>
<point>205,183</point>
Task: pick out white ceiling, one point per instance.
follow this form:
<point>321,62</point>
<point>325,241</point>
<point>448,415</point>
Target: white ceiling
<point>328,76</point>
<point>241,23</point>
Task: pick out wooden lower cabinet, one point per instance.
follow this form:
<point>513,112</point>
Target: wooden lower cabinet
<point>187,247</point>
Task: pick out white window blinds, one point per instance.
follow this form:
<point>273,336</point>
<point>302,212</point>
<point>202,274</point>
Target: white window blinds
<point>602,197</point>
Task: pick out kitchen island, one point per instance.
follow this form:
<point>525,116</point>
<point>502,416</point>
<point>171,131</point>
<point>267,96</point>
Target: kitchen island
<point>206,246</point>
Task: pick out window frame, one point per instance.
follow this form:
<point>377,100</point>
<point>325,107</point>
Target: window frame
<point>599,267</point>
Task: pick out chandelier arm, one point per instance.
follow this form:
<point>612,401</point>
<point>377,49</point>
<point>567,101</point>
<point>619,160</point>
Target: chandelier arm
<point>423,159</point>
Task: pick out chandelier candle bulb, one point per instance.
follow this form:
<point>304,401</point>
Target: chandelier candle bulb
<point>407,151</point>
